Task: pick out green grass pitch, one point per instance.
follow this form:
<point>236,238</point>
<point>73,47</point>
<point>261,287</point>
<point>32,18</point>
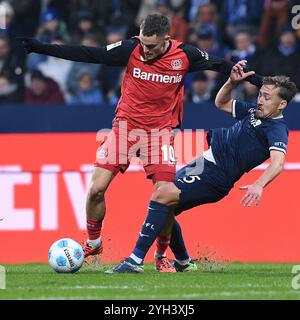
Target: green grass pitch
<point>211,281</point>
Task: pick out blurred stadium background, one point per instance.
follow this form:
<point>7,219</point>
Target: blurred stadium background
<point>51,110</point>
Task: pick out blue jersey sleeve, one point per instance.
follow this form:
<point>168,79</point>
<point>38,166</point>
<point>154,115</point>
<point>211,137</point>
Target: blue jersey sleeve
<point>240,109</point>
<point>277,138</point>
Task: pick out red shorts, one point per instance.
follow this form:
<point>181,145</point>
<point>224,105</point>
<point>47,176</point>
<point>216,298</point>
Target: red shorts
<point>155,148</point>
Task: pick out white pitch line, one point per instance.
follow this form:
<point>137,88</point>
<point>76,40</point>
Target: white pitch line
<point>174,296</point>
<point>94,287</point>
<point>91,287</point>
<point>199,287</point>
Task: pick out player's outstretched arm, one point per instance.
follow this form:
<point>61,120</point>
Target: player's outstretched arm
<point>200,60</point>
<point>115,55</point>
<point>255,190</point>
<point>223,99</point>
<point>223,66</point>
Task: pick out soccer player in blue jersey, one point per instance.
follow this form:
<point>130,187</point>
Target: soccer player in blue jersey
<point>260,133</point>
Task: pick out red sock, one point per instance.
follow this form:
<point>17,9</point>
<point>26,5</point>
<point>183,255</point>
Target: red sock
<point>93,228</point>
<point>162,243</point>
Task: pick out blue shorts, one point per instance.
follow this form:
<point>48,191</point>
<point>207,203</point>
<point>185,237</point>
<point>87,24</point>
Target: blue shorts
<point>200,182</point>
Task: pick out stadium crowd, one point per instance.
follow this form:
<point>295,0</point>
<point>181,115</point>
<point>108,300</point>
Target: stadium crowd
<point>259,31</point>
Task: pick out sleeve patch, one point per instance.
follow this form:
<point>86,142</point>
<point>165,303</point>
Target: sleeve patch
<point>113,45</point>
<point>203,54</point>
<point>281,145</point>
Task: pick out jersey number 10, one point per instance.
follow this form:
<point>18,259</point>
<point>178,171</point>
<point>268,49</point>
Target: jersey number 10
<point>168,153</point>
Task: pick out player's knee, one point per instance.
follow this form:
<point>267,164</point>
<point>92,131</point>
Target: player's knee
<point>96,194</point>
<point>159,196</point>
<point>165,195</point>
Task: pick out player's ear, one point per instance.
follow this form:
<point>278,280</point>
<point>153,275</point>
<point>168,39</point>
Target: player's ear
<point>167,37</point>
<point>282,105</point>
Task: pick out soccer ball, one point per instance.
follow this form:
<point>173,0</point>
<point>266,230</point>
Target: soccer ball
<point>66,256</point>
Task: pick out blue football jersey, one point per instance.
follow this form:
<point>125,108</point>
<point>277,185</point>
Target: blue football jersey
<point>248,142</point>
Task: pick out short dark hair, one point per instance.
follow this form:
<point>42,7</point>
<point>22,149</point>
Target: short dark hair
<point>287,88</point>
<point>155,24</point>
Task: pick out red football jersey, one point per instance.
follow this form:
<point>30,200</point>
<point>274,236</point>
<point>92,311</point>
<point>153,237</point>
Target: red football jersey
<point>152,91</point>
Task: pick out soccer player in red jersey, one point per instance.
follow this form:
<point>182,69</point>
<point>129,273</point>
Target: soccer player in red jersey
<point>150,106</point>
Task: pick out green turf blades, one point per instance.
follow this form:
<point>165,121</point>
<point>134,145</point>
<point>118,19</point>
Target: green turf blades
<point>228,281</point>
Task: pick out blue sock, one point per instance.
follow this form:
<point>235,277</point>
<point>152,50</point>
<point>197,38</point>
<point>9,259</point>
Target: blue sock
<point>154,223</point>
<point>177,243</point>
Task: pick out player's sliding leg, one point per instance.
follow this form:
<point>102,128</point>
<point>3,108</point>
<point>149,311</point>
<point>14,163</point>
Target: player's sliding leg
<point>183,262</point>
<point>95,210</point>
<point>155,221</point>
<point>161,262</point>
<point>159,209</point>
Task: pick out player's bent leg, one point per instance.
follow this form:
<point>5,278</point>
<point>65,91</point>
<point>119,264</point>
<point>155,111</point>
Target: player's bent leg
<point>154,223</point>
<point>164,197</point>
<point>195,190</point>
<point>95,204</point>
<point>168,193</point>
<point>158,214</point>
<point>95,211</point>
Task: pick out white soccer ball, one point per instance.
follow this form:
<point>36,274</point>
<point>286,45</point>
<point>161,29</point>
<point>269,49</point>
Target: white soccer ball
<point>66,255</point>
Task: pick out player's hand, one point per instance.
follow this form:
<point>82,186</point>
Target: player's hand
<point>29,44</point>
<point>238,72</point>
<point>253,194</point>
